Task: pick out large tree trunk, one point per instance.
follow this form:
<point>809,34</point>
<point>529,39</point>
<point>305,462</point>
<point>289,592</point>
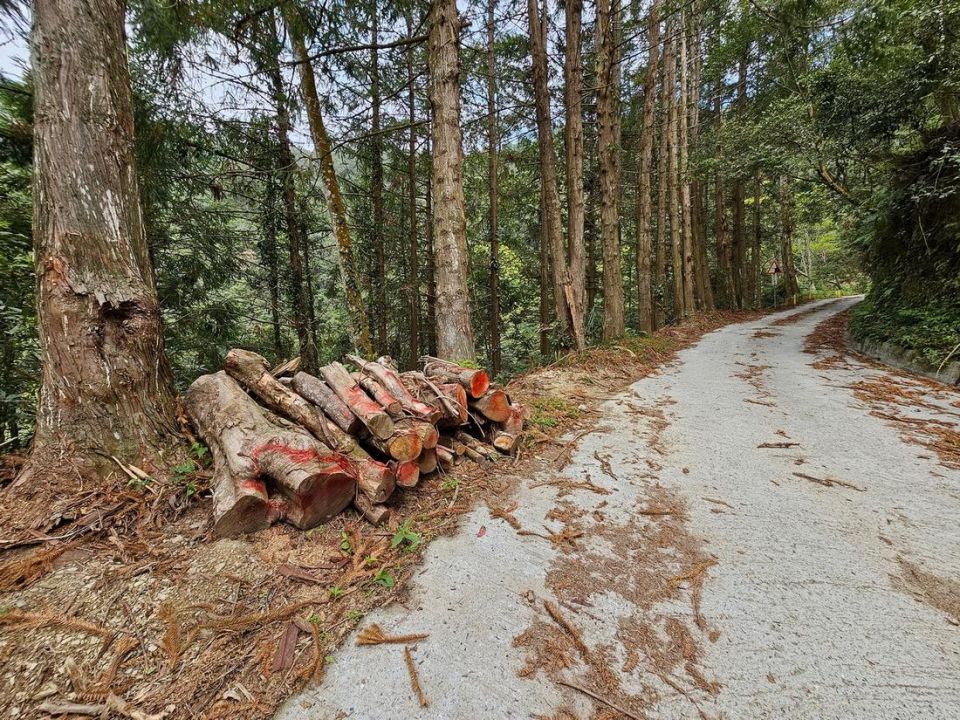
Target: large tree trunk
<point>726,297</point>
<point>454,324</point>
<point>336,208</point>
<point>676,221</point>
<point>105,387</point>
<point>573,141</point>
<point>413,248</point>
<point>376,189</point>
<point>565,309</point>
<point>608,118</point>
<point>493,188</point>
<point>663,149</point>
<point>645,301</point>
<point>704,288</point>
<point>739,247</point>
<point>686,208</point>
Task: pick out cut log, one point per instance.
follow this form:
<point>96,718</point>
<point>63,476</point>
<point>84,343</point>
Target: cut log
<point>504,435</point>
<point>458,395</point>
<point>444,457</point>
<point>373,512</point>
<point>475,381</point>
<point>407,474</point>
<point>370,412</point>
<point>403,446</point>
<point>319,393</point>
<point>478,446</point>
<point>250,370</point>
<point>249,446</point>
<point>375,478</point>
<point>494,405</point>
<point>428,461</point>
<point>390,379</point>
<point>428,434</point>
<point>379,393</point>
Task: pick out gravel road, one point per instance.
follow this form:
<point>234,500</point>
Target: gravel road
<point>691,573</point>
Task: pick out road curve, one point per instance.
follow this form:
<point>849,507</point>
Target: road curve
<point>753,543</point>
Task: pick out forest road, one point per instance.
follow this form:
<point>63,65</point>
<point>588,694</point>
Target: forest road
<point>737,537</point>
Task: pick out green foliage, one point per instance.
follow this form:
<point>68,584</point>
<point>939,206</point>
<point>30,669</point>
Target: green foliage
<point>932,331</point>
<point>405,537</point>
<point>335,592</point>
<point>385,578</point>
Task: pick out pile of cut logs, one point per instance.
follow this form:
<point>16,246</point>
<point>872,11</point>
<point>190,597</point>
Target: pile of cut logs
<point>313,445</point>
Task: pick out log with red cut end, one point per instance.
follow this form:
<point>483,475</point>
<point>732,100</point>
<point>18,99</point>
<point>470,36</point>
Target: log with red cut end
<point>494,405</point>
<point>249,369</point>
<point>428,461</point>
<point>428,434</point>
<point>370,412</point>
<point>403,446</point>
<point>407,474</point>
<point>379,393</point>
<point>504,435</point>
<point>319,393</point>
<point>374,513</point>
<point>474,380</point>
<point>458,395</point>
<point>248,446</point>
<point>384,374</point>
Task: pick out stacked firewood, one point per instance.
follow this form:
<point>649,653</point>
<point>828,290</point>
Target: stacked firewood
<point>298,447</point>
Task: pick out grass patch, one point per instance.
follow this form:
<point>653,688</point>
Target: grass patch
<point>931,331</point>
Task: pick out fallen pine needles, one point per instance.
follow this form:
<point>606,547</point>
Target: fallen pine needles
<point>414,678</point>
<point>693,573</point>
<point>568,627</point>
<point>599,698</point>
<point>373,634</point>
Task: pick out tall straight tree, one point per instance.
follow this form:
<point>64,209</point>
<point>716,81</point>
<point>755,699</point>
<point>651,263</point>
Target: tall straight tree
<point>379,284</point>
<point>608,116</point>
<point>413,248</point>
<point>686,209</point>
<point>573,144</point>
<point>567,311</point>
<point>454,324</point>
<point>663,149</point>
<point>645,302</point>
<point>105,385</point>
<point>669,87</point>
<point>739,245</point>
<point>336,208</point>
<point>493,187</point>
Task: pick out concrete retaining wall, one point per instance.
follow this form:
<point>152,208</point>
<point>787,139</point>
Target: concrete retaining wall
<point>892,354</point>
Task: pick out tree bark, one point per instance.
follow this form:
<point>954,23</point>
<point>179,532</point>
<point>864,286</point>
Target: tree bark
<point>105,386</point>
<point>756,263</point>
<point>663,149</point>
<point>645,299</point>
<point>413,248</point>
<point>376,189</point>
<point>725,289</point>
<point>249,445</point>
<point>573,142</point>
<point>454,324</point>
<point>676,221</point>
<point>336,208</point>
<point>493,191</point>
<point>686,209</point>
<point>739,210</point>
<point>319,393</point>
<point>370,412</point>
<point>608,119</point>
<point>786,242</point>
<point>269,258</point>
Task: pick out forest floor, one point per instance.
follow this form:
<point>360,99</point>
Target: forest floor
<point>765,529</point>
<point>698,522</point>
<point>113,597</point>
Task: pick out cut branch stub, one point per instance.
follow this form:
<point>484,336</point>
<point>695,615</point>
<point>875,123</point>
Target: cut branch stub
<point>370,412</point>
<point>249,445</point>
<point>495,405</point>
<point>475,381</point>
<point>390,380</point>
<point>428,434</point>
<point>317,392</point>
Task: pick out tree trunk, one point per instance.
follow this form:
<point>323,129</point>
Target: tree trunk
<point>285,168</point>
<point>608,119</point>
<point>337,210</point>
<point>413,249</point>
<point>724,269</point>
<point>492,184</point>
<point>786,242</point>
<point>756,298</point>
<point>663,149</point>
<point>704,287</point>
<point>308,276</point>
<point>105,387</point>
<point>553,230</point>
<point>431,264</point>
<point>376,189</point>
<point>739,210</point>
<point>686,209</point>
<point>454,324</point>
<point>544,279</point>
<point>676,221</point>
<point>645,300</point>
<point>573,141</point>
<point>269,259</point>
